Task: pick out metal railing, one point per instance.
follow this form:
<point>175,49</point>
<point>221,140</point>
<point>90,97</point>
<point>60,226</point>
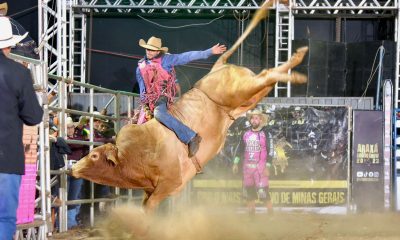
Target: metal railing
<point>63,110</point>
<point>42,227</point>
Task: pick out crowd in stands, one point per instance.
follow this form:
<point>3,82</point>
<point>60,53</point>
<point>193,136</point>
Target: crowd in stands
<point>103,132</point>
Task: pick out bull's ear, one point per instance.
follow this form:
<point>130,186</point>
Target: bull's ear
<point>111,154</point>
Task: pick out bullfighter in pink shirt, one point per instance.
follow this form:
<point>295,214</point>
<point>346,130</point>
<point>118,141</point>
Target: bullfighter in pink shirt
<point>255,144</point>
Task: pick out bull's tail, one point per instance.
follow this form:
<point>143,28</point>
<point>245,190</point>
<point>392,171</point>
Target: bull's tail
<point>258,16</point>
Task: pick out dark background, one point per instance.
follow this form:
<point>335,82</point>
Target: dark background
<point>334,69</point>
<point>26,13</point>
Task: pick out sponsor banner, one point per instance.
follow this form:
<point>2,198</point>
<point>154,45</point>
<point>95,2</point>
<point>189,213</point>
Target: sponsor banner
<point>282,193</point>
<point>367,163</point>
<point>237,184</point>
<point>308,152</point>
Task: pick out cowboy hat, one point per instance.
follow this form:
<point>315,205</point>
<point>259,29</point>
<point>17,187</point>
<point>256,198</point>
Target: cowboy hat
<point>70,122</point>
<point>7,39</point>
<point>153,44</point>
<point>3,8</point>
<point>264,117</point>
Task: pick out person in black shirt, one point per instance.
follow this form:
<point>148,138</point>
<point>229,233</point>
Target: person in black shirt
<point>19,105</point>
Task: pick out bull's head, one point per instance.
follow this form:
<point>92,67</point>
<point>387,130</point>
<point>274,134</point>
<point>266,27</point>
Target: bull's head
<point>101,165</point>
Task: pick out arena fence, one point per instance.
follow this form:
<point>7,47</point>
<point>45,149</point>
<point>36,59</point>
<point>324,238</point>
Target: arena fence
<point>64,109</point>
<point>41,225</point>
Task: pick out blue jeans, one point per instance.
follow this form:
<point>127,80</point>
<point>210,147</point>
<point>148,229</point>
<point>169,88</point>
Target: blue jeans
<point>101,191</point>
<point>9,194</point>
<point>162,115</point>
<point>74,190</point>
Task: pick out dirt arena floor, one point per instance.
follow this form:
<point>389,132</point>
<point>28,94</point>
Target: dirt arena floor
<point>217,224</point>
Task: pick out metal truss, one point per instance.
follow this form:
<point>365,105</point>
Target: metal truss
<point>168,6</point>
<point>348,8</point>
<point>53,34</point>
<point>354,8</point>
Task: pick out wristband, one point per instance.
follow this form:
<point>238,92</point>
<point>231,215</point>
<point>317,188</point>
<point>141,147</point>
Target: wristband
<point>236,160</point>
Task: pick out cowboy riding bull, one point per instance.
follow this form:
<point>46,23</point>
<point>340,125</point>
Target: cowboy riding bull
<point>151,157</point>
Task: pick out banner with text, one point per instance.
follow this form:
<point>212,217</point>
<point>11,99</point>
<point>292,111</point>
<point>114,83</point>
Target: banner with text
<point>367,164</point>
<point>309,167</point>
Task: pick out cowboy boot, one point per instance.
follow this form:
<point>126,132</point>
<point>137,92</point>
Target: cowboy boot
<point>194,145</point>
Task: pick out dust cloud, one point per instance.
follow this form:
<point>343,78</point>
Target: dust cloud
<point>207,223</point>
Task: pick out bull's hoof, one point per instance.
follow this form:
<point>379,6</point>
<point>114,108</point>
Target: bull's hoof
<point>298,56</point>
<point>298,78</point>
<point>302,50</point>
<point>194,145</point>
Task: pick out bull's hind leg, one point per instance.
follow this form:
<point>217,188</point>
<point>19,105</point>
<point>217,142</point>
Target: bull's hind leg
<point>295,60</point>
<point>269,78</point>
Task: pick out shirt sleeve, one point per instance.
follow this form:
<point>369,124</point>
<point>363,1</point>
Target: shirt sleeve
<point>30,110</point>
<point>186,57</point>
<point>140,81</point>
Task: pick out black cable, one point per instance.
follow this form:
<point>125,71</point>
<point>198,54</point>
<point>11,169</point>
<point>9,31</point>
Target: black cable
<point>23,11</point>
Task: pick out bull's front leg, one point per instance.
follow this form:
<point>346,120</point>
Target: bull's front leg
<point>163,189</point>
<point>145,198</point>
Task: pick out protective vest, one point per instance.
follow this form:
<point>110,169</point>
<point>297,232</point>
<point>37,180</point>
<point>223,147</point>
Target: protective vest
<point>255,147</point>
<point>158,82</point>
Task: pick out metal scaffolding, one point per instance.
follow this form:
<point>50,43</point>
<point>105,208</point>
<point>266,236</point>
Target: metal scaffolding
<point>63,24</point>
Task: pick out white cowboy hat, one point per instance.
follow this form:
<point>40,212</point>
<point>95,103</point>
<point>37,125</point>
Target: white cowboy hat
<point>7,39</point>
<point>153,44</point>
<point>3,8</point>
<point>264,117</point>
<point>70,122</point>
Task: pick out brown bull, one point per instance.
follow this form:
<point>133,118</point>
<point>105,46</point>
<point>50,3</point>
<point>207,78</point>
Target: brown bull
<point>151,157</point>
